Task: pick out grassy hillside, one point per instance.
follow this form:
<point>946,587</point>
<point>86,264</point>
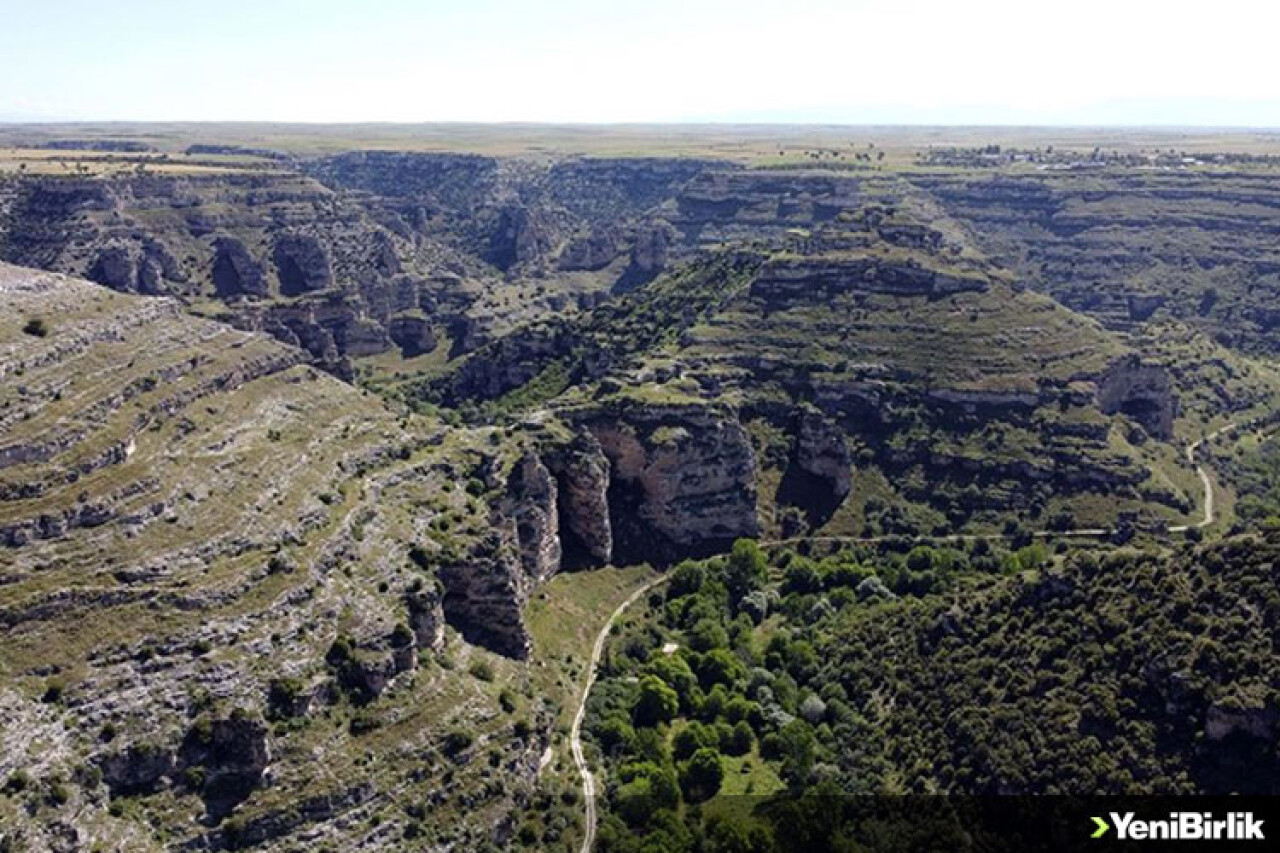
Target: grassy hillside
<point>220,619</point>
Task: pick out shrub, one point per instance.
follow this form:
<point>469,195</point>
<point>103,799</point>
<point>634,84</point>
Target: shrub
<point>401,636</point>
<point>282,563</point>
<point>340,652</point>
<point>282,696</point>
<point>57,793</point>
<point>482,670</point>
<point>36,327</point>
<point>202,730</point>
<point>363,722</point>
<point>193,778</point>
<point>18,781</point>
<point>457,741</point>
<point>53,691</point>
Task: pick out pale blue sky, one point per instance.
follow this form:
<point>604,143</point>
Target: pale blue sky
<point>840,61</point>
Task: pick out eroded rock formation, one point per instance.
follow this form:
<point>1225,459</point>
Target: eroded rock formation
<point>682,480</point>
<point>1144,392</point>
<point>582,471</point>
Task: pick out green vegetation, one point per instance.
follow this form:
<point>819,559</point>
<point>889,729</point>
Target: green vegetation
<point>932,671</point>
<point>1255,472</point>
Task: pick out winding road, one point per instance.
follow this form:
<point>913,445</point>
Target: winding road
<point>1191,451</point>
<point>575,733</point>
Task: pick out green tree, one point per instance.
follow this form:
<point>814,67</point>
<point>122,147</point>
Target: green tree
<point>657,703</point>
<point>675,671</point>
<point>797,747</point>
<point>746,570</point>
<point>616,733</point>
<point>720,666</point>
<point>692,738</point>
<point>701,775</point>
<point>708,634</point>
<point>687,579</point>
<point>741,739</point>
<point>634,801</point>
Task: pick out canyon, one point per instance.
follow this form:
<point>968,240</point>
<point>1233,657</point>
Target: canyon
<point>297,444</point>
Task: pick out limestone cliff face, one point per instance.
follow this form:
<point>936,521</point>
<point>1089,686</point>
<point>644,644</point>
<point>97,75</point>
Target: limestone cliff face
<point>651,250</point>
<point>530,504</point>
<point>524,236</point>
<point>1075,236</point>
<point>487,589</point>
<point>596,250</point>
<point>682,480</point>
<point>726,204</point>
<point>302,264</point>
<point>235,271</point>
<point>426,616</point>
<point>821,451</point>
<point>788,281</point>
<point>582,471</point>
<point>1144,392</point>
<point>486,592</point>
<point>412,333</point>
<point>246,240</point>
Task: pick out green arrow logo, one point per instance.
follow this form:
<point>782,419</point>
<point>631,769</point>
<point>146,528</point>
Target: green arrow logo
<point>1102,828</point>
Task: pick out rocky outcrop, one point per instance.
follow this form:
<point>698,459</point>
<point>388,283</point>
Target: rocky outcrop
<point>234,752</point>
<point>1143,392</point>
<point>682,480</point>
<point>582,471</point>
<point>818,476</point>
<point>485,594</point>
<point>487,589</point>
<point>302,264</point>
<point>651,248</point>
<point>235,271</point>
<point>508,363</point>
<point>426,616</point>
<point>1143,305</point>
<point>650,252</point>
<point>821,451</point>
<point>530,504</point>
<point>596,250</point>
<point>130,268</point>
<point>799,280</point>
<point>523,236</point>
<point>413,333</point>
<point>137,768</point>
<point>331,330</point>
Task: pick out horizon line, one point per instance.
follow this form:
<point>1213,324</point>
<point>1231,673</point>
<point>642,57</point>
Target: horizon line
<point>681,123</point>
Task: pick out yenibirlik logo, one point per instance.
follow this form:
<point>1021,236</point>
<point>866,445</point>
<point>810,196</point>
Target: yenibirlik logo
<point>1182,826</point>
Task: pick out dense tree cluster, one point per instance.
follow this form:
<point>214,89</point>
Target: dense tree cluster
<point>910,671</point>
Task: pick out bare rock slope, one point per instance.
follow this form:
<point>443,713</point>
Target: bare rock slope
<point>224,580</point>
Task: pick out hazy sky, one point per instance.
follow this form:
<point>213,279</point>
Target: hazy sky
<point>931,61</point>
